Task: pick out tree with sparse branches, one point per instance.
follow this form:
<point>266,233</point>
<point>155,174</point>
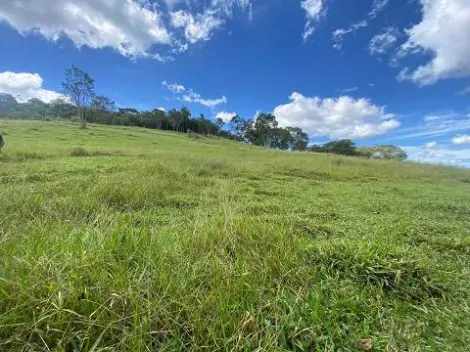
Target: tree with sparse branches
<point>79,86</point>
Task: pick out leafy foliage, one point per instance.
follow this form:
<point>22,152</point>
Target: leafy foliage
<point>80,88</point>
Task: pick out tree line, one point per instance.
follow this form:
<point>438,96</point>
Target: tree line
<point>86,106</point>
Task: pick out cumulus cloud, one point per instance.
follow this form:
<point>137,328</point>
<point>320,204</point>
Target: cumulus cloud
<point>127,26</point>
<point>190,96</point>
<point>444,33</point>
<point>313,12</point>
<point>339,34</point>
<point>134,28</point>
<point>462,139</point>
<point>383,41</point>
<point>25,86</point>
<point>226,116</point>
<point>342,117</point>
<point>431,145</point>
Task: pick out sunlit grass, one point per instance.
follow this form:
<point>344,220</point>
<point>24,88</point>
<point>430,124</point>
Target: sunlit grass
<point>126,239</point>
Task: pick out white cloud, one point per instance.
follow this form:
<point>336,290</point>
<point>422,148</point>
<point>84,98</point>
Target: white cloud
<point>462,139</point>
<point>200,27</point>
<point>377,6</point>
<point>431,145</point>
<point>383,41</point>
<point>313,12</point>
<point>134,28</point>
<point>343,117</point>
<point>24,86</point>
<point>435,126</point>
<point>339,34</point>
<point>349,90</point>
<point>436,117</point>
<point>438,155</point>
<point>444,33</point>
<point>129,27</point>
<point>226,116</point>
<point>190,96</point>
<point>174,87</point>
<point>465,91</point>
<point>196,28</point>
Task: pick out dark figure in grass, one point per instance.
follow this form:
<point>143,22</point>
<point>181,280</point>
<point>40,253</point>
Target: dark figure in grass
<point>2,143</point>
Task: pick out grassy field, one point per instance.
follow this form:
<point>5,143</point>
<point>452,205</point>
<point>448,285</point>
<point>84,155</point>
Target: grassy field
<point>125,239</point>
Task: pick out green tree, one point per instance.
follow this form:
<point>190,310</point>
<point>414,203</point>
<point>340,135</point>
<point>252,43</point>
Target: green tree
<point>264,130</point>
<point>343,147</point>
<point>79,86</point>
<point>299,139</point>
<point>239,127</point>
<point>220,123</point>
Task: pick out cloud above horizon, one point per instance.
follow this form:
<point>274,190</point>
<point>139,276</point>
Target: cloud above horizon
<point>133,28</point>
<point>188,95</point>
<point>444,33</point>
<point>342,117</point>
<point>24,86</point>
<point>314,9</point>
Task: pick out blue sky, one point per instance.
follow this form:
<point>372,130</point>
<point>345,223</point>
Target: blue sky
<point>375,71</point>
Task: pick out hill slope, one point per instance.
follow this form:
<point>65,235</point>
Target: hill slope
<point>141,240</point>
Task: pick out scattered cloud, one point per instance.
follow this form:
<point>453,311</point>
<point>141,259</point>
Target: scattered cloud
<point>188,95</point>
<point>436,117</point>
<point>339,34</point>
<point>342,117</point>
<point>383,41</point>
<point>465,91</point>
<point>174,87</point>
<point>437,154</point>
<point>314,9</point>
<point>226,116</point>
<point>349,90</point>
<point>431,145</point>
<point>377,6</point>
<point>25,86</point>
<point>434,126</point>
<point>443,32</point>
<point>196,28</point>
<point>462,139</point>
<point>133,28</point>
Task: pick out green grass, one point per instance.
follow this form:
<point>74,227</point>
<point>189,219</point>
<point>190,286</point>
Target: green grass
<point>126,239</point>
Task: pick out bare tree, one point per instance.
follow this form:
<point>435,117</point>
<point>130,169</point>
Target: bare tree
<point>79,86</point>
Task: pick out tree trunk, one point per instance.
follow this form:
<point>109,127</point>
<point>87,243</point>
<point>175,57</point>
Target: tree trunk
<point>81,117</point>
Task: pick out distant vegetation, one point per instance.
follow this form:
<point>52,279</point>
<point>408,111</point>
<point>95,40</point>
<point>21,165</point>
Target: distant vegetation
<point>88,106</point>
<point>120,238</point>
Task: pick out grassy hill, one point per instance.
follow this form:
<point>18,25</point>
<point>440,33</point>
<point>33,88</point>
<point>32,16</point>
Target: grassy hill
<point>127,239</point>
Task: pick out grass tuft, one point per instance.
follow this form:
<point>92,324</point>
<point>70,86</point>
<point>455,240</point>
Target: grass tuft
<point>160,242</point>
